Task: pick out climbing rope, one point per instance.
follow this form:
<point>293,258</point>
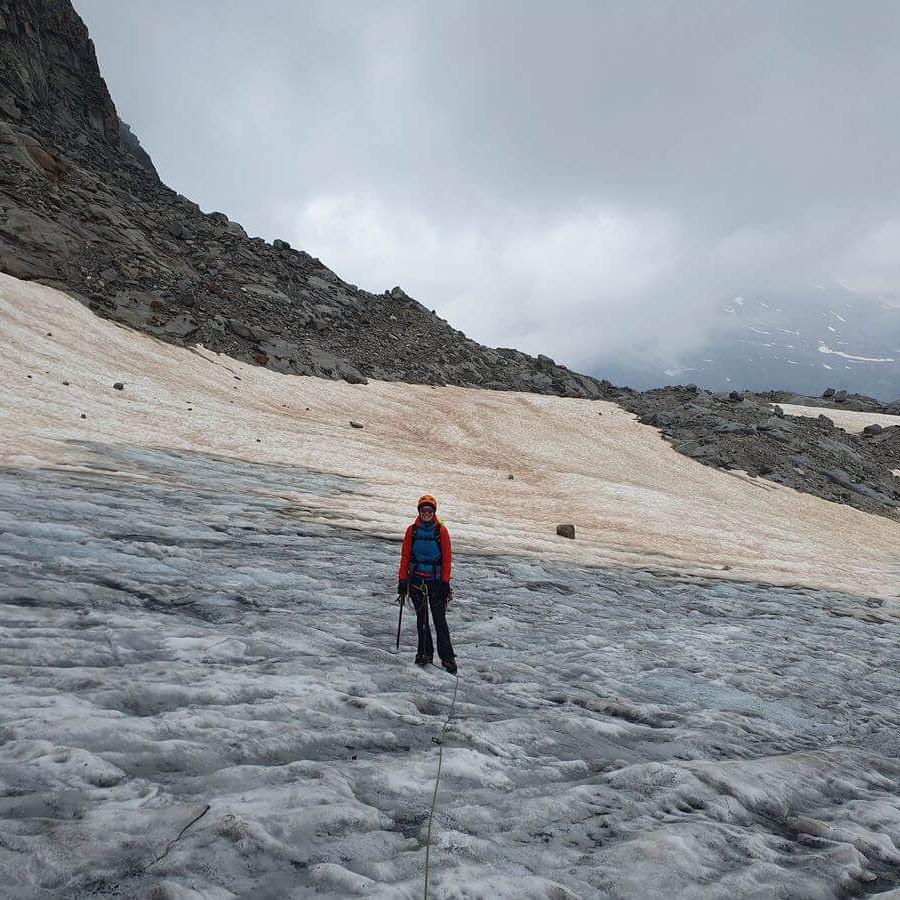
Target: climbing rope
<point>439,740</point>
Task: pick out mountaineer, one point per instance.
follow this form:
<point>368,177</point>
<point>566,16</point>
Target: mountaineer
<point>424,576</point>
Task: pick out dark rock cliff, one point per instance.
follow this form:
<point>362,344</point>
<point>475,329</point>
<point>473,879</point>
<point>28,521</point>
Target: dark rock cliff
<point>49,78</point>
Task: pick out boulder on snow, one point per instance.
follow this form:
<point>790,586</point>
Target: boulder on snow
<point>872,429</point>
<point>566,531</point>
<point>119,386</point>
<point>356,424</point>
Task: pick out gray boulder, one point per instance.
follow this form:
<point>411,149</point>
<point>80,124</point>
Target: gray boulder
<point>248,332</point>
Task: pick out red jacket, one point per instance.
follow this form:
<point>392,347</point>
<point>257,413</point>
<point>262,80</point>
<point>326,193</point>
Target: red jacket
<point>406,553</point>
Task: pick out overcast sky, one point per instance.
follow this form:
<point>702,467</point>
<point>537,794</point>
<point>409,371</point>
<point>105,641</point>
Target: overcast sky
<point>583,179</point>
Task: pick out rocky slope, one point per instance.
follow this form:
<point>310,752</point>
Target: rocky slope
<point>746,432</point>
<point>82,208</point>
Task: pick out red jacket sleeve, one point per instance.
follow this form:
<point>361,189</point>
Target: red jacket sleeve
<point>405,555</point>
<point>446,554</point>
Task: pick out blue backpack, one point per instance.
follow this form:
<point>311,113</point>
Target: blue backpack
<point>426,550</point>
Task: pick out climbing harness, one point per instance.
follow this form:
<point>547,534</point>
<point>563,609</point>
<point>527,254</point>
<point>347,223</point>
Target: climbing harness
<point>439,740</point>
<point>425,591</point>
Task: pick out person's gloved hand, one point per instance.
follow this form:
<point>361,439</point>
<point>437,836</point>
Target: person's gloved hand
<point>445,592</point>
<point>402,587</point>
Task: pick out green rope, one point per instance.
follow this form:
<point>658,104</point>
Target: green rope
<point>440,742</point>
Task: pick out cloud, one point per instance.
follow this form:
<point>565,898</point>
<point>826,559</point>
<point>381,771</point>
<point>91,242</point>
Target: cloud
<point>871,264</point>
<point>587,180</point>
<point>499,278</point>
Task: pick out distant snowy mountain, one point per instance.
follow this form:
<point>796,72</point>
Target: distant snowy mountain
<point>829,337</point>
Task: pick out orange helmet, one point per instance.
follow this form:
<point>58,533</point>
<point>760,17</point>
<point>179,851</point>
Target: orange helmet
<point>427,500</point>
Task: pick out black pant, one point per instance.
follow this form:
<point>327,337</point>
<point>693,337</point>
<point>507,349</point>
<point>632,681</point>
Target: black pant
<point>425,593</point>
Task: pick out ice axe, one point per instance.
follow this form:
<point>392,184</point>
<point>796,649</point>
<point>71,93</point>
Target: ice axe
<point>402,601</point>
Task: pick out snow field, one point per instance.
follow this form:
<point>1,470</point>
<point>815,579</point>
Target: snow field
<point>633,499</point>
<point>179,647</point>
<point>850,420</point>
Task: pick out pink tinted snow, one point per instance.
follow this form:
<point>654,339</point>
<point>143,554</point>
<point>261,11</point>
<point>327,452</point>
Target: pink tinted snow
<point>633,499</point>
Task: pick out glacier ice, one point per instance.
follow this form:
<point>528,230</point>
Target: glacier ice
<point>179,648</point>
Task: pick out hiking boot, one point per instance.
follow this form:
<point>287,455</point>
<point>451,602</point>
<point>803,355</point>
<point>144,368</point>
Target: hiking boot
<point>450,666</point>
<point>423,660</point>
